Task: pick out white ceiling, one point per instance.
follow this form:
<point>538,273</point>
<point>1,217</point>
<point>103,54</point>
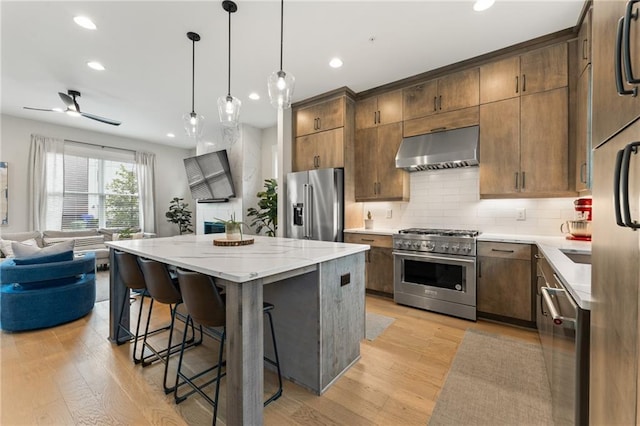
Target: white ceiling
<point>147,81</point>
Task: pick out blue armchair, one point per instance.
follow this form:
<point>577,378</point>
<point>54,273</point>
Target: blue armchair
<point>46,294</point>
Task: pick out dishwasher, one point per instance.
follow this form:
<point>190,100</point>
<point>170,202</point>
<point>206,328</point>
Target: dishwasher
<point>564,334</point>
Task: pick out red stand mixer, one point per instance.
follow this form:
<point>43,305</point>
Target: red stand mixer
<point>580,229</point>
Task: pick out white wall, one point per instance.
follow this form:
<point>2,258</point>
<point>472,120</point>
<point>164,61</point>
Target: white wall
<point>269,152</point>
<point>450,199</point>
<point>170,176</point>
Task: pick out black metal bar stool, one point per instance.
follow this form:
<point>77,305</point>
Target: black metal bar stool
<point>206,306</point>
<point>163,289</point>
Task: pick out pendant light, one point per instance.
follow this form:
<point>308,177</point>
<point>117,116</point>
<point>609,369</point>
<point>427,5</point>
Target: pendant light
<point>193,123</point>
<point>280,83</point>
<point>228,106</point>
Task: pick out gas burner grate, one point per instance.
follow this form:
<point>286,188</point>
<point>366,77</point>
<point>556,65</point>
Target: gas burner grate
<point>441,232</point>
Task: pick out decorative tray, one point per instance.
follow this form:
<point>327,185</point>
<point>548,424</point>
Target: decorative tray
<point>231,243</point>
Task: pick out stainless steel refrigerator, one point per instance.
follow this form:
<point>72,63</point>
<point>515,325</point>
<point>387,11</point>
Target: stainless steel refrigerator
<point>315,204</point>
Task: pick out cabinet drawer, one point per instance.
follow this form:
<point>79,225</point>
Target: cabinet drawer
<point>506,250</point>
<point>373,240</point>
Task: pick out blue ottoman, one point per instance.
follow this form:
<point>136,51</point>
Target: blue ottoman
<point>46,294</point>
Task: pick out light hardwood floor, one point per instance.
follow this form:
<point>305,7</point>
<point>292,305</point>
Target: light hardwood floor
<point>71,374</point>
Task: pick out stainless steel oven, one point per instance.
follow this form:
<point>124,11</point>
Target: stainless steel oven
<point>436,270</point>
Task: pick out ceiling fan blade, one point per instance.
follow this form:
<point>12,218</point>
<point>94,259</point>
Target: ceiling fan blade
<point>43,109</point>
<point>101,119</point>
<point>68,100</point>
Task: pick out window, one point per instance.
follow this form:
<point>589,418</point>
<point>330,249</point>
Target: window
<point>100,188</point>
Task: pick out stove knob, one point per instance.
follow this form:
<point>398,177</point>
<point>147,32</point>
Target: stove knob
<point>445,246</point>
<point>467,248</point>
<point>417,245</point>
<point>430,245</point>
<point>455,247</point>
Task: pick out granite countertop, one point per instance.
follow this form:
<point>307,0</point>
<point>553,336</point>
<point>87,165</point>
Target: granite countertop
<point>576,277</point>
<point>267,256</point>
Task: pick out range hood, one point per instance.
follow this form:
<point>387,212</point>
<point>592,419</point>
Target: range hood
<point>441,150</point>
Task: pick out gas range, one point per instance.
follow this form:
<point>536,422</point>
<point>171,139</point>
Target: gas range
<point>444,241</point>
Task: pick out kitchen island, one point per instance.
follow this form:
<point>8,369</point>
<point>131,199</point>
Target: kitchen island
<point>317,288</point>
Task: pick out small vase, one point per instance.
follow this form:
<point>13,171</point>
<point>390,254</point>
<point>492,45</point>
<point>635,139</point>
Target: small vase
<point>233,231</point>
<point>368,224</point>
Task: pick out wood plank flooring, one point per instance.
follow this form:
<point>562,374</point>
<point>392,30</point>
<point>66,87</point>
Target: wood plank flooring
<point>71,374</point>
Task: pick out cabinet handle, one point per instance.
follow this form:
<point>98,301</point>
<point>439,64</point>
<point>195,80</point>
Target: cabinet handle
<point>369,240</point>
<point>440,103</point>
<point>375,188</point>
<point>517,84</point>
<point>439,129</point>
<point>502,250</point>
<point>624,185</point>
<point>583,174</point>
<point>618,66</point>
<point>538,256</point>
<point>319,123</point>
<point>523,181</point>
<point>524,83</point>
<point>584,49</point>
<point>517,180</point>
<point>318,162</point>
<point>627,41</point>
<point>315,124</point>
<point>435,103</point>
<point>375,117</point>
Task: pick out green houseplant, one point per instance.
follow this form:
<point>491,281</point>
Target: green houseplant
<point>232,228</point>
<point>180,215</point>
<point>125,234</point>
<point>266,215</point>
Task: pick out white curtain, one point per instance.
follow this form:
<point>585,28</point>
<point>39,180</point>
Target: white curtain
<point>145,165</point>
<point>46,183</point>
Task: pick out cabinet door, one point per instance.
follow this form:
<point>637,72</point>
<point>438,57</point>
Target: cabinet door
<point>500,80</point>
<point>366,113</point>
<point>306,121</point>
<point>500,147</point>
<point>584,42</point>
<point>504,287</point>
<point>329,148</point>
<point>583,131</point>
<point>380,270</point>
<point>390,108</point>
<point>391,180</point>
<point>611,111</point>
<point>330,114</point>
<point>544,69</point>
<point>304,153</point>
<point>366,175</point>
<point>459,90</point>
<point>420,100</point>
<point>544,142</point>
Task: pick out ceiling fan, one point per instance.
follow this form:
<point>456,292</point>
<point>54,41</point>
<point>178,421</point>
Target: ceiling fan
<point>73,108</point>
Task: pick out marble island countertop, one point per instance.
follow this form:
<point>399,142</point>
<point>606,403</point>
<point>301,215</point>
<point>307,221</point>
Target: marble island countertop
<point>268,256</point>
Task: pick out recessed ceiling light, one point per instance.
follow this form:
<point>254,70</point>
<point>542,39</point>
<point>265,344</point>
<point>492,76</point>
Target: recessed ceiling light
<point>254,96</point>
<point>481,5</point>
<point>171,135</point>
<point>84,22</point>
<point>95,65</point>
<point>335,63</point>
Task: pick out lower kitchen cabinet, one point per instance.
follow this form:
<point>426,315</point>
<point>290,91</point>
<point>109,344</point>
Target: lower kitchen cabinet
<point>505,282</point>
<point>378,260</point>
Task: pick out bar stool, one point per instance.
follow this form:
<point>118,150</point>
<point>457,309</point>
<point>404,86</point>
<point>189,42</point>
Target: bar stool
<point>206,306</point>
<point>131,276</point>
<point>163,289</point>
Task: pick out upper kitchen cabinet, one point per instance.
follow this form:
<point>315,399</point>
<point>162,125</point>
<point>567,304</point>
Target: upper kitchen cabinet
<point>616,83</point>
<point>323,127</point>
<point>536,71</point>
<point>376,175</point>
<point>583,131</point>
<point>449,93</point>
<point>379,110</point>
<point>584,43</point>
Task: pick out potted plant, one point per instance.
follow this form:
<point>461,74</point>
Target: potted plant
<point>232,228</point>
<point>125,234</point>
<point>266,215</point>
<point>180,215</point>
<point>368,222</point>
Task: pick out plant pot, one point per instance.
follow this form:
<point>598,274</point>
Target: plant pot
<point>233,231</point>
<point>368,224</point>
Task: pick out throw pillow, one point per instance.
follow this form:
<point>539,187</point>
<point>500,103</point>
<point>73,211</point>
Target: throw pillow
<point>5,246</point>
<point>39,258</point>
<point>22,250</point>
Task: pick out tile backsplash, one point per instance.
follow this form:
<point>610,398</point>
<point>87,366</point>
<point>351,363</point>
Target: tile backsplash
<point>450,199</point>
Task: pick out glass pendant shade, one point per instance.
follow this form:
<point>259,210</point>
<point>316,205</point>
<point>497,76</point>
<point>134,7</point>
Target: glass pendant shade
<point>193,124</point>
<point>229,110</point>
<point>281,85</point>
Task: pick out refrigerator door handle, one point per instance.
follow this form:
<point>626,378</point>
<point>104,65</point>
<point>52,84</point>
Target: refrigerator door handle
<point>624,178</point>
<point>309,232</point>
<point>616,188</point>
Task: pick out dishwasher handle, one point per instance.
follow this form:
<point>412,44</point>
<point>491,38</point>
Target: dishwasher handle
<point>557,318</point>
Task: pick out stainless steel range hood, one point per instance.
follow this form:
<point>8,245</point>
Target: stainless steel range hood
<point>442,150</point>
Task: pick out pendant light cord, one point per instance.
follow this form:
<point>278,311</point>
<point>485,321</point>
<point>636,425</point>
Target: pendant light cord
<point>193,75</point>
<point>281,30</point>
<point>229,80</point>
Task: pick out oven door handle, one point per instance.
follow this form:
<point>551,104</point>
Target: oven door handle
<point>430,256</point>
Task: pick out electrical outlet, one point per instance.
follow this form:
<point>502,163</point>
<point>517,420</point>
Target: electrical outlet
<point>521,214</point>
<point>389,213</point>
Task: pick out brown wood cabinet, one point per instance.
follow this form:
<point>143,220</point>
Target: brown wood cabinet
<point>379,110</point>
<point>536,71</point>
<point>376,175</point>
<point>584,43</point>
<point>319,151</point>
<point>583,131</point>
<point>452,92</point>
<point>612,110</point>
<point>505,281</point>
<point>378,261</point>
<point>524,146</point>
<point>323,116</point>
<point>446,121</point>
